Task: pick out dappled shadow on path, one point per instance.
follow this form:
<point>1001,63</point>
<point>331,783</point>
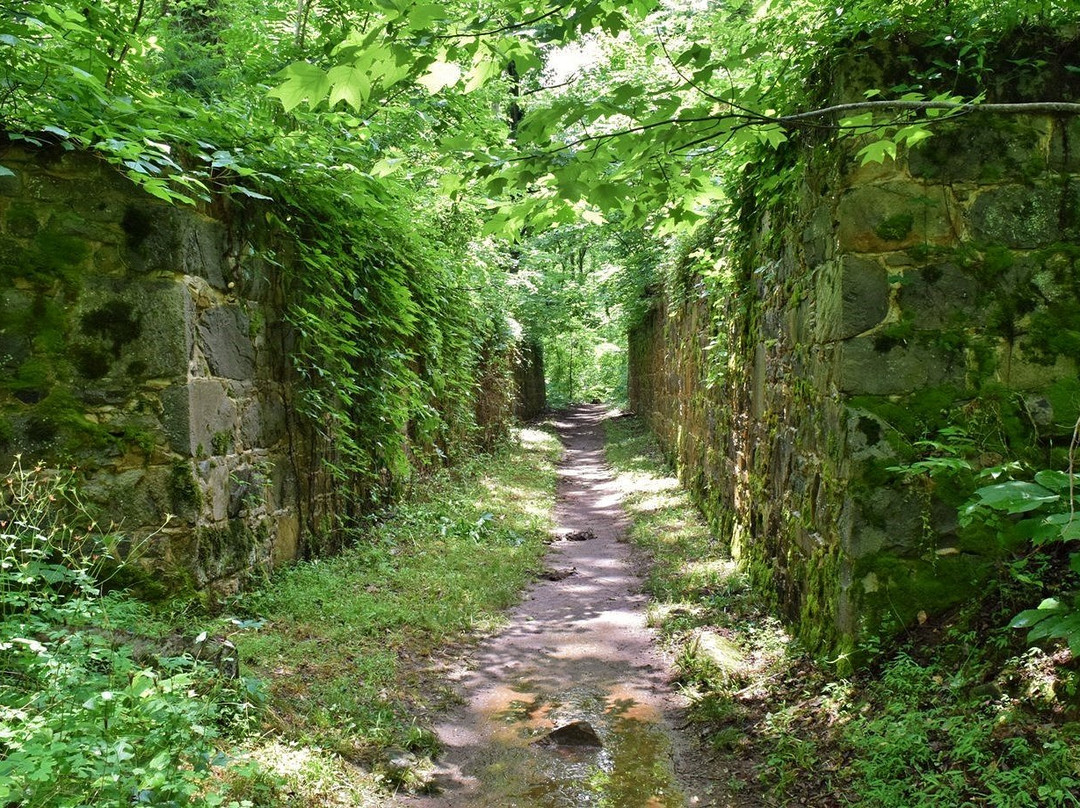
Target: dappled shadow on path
<point>577,649</point>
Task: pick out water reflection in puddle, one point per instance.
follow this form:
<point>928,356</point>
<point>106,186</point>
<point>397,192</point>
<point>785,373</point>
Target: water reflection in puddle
<point>633,769</point>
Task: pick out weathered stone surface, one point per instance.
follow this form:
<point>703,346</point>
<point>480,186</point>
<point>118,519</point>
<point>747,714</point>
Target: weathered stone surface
<point>1016,368</point>
<point>867,436</point>
<point>999,148</point>
<point>15,308</point>
<point>868,370</point>
<point>576,733</point>
<point>1065,146</point>
<point>893,216</point>
<point>851,299</point>
<point>164,239</point>
<point>263,420</point>
<point>10,185</point>
<point>141,331</point>
<point>1019,216</point>
<point>286,539</point>
<point>937,296</point>
<point>225,340</point>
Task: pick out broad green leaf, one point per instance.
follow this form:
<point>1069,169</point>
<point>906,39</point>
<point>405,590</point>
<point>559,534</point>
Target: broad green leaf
<point>425,14</point>
<point>387,166</point>
<point>6,172</point>
<point>1054,480</point>
<point>1015,496</point>
<point>484,69</point>
<point>249,193</point>
<point>349,84</point>
<point>303,82</point>
<point>877,151</point>
<point>440,75</point>
<point>913,135</point>
<point>774,136</point>
<point>863,120</point>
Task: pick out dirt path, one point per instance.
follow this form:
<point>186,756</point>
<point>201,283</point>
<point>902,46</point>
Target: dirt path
<point>576,650</point>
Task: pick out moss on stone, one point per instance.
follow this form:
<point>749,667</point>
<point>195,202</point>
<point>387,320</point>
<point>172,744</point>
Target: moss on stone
<point>116,322</point>
<point>186,495</point>
<point>90,362</point>
<point>59,417</point>
<point>58,254</point>
<point>22,221</point>
<point>895,334</point>
<point>895,590</point>
<point>221,442</point>
<point>1064,398</point>
<point>997,260</point>
<point>896,227</point>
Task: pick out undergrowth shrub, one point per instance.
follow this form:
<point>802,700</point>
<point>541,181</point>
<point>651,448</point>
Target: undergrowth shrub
<point>82,723</point>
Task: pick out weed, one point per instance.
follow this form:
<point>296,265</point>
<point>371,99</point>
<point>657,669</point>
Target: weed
<point>81,721</point>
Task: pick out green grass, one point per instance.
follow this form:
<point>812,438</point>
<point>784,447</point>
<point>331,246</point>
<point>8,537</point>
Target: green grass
<point>348,645</point>
<point>956,713</point>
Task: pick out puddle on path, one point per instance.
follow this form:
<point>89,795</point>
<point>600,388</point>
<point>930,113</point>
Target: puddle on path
<point>577,649</point>
<point>632,769</point>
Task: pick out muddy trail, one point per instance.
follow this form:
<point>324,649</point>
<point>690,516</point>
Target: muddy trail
<point>571,704</point>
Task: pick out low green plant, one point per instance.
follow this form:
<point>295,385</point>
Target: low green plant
<point>82,722</point>
<point>951,715</point>
<point>1040,513</point>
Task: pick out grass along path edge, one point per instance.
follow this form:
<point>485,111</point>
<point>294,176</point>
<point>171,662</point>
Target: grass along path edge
<point>348,647</point>
<point>955,712</point>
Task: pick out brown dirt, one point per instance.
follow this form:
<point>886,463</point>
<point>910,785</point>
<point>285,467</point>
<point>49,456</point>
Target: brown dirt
<point>576,649</point>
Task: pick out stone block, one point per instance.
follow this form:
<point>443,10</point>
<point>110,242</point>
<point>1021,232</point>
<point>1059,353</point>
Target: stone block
<point>214,480</point>
<point>893,216</point>
<point>263,420</point>
<point>15,339</point>
<point>286,546</point>
<point>136,501</point>
<point>1065,146</point>
<point>72,223</point>
<point>1018,216</point>
<point>128,332</point>
<point>851,298</point>
<point>225,340</point>
<point>997,148</point>
<point>866,370</point>
<point>1016,369</point>
<point>935,296</point>
<point>43,188</point>
<point>11,184</point>
<point>164,239</point>
<point>866,436</point>
<point>886,519</point>
<point>195,414</point>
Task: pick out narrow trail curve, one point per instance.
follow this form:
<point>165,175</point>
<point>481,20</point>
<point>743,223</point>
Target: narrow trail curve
<point>576,649</point>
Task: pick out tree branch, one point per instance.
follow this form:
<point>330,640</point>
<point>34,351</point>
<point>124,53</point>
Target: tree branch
<point>1021,108</point>
<point>516,26</point>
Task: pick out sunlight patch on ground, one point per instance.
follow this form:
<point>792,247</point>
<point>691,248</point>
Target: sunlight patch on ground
<point>717,569</point>
<point>537,440</point>
<point>324,779</point>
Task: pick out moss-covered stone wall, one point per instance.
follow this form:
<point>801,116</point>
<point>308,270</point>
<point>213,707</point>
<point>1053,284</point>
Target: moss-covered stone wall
<point>871,309</point>
<point>147,345</point>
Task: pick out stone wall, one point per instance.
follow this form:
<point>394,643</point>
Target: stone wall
<point>876,307</point>
<point>144,344</point>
